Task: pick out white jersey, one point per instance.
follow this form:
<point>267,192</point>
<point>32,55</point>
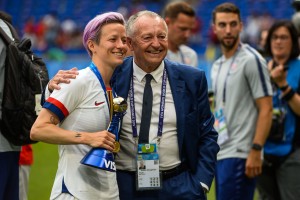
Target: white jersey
<point>81,106</point>
<point>246,78</point>
<point>184,55</point>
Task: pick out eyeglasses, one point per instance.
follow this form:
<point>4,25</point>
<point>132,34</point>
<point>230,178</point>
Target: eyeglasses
<point>281,37</point>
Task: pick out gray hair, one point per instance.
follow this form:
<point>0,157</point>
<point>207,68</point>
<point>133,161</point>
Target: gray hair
<point>130,28</point>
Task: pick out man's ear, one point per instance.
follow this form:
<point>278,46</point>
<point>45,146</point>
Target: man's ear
<point>168,20</point>
<point>214,27</point>
<point>129,43</point>
<point>242,26</point>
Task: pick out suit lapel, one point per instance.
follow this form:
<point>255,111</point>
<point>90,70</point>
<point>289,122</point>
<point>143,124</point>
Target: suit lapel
<point>178,91</point>
<point>123,77</point>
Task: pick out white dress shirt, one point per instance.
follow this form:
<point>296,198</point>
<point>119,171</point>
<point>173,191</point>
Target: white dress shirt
<point>168,147</point>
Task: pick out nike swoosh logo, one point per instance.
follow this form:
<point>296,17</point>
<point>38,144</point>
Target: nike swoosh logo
<point>98,104</point>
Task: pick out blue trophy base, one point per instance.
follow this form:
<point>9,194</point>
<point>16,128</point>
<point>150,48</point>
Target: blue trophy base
<point>100,158</point>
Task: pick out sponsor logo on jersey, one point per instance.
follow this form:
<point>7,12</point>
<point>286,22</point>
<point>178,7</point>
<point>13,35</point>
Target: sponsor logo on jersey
<point>98,103</point>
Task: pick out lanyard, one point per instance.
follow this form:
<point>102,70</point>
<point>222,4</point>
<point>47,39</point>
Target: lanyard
<point>97,73</point>
<point>226,78</point>
<point>161,107</point>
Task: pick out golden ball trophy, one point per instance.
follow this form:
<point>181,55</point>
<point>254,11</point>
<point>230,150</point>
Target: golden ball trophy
<point>101,158</point>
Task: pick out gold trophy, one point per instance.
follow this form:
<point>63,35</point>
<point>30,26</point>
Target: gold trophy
<point>102,158</point>
<point>119,110</point>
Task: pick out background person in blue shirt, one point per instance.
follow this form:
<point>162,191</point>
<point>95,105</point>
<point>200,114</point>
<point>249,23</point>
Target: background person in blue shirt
<point>280,178</point>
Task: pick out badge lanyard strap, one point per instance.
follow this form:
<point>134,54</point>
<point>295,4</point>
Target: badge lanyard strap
<point>227,75</point>
<point>97,73</point>
<point>161,107</point>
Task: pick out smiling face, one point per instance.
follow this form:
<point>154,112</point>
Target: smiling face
<point>149,42</point>
<point>112,47</point>
<point>281,43</point>
<point>227,27</point>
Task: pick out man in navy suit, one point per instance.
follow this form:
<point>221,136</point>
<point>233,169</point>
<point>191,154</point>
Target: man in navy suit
<point>188,144</point>
<point>181,128</point>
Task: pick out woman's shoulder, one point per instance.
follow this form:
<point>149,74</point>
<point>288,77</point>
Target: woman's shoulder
<point>84,77</point>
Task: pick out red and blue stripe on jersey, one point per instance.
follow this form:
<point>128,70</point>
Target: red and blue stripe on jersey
<point>56,107</point>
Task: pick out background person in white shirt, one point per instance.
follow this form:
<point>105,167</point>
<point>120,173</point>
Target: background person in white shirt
<point>181,19</point>
<point>242,105</point>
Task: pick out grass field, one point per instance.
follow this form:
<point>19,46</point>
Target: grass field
<point>43,172</point>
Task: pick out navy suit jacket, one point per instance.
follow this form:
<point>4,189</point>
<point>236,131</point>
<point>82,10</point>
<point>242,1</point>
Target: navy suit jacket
<point>197,139</point>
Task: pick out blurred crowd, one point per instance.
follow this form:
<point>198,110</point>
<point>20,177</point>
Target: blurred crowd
<point>49,32</point>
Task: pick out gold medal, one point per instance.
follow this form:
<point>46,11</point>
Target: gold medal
<point>117,147</point>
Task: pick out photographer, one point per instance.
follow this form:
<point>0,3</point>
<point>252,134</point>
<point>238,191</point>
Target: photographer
<point>279,178</point>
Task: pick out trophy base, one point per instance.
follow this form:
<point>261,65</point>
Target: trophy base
<point>100,158</point>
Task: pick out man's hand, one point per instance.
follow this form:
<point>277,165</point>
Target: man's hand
<point>253,164</point>
<point>62,76</point>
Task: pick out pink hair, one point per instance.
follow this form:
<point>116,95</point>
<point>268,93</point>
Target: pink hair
<point>93,28</point>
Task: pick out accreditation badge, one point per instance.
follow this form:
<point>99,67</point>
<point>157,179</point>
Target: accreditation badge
<point>147,174</point>
<point>221,127</point>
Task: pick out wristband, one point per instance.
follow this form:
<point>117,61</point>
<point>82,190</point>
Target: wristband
<point>289,95</point>
<point>283,88</point>
<point>256,147</point>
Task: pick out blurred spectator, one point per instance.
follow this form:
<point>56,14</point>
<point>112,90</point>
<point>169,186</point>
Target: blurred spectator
<point>296,21</point>
<point>262,42</point>
<point>67,31</point>
<point>76,40</point>
<point>296,16</point>
<point>29,26</point>
<point>255,24</point>
<point>68,26</point>
<point>41,43</point>
<point>180,18</point>
<point>252,28</point>
<point>136,6</point>
<point>280,178</point>
<point>52,28</point>
<point>266,21</point>
<point>29,30</point>
<point>124,11</point>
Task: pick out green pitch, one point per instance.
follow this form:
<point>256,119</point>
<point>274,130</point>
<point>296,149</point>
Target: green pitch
<point>42,171</point>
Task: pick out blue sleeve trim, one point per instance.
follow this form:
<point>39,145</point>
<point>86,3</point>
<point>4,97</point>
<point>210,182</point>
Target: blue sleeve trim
<point>55,110</point>
<point>261,74</point>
